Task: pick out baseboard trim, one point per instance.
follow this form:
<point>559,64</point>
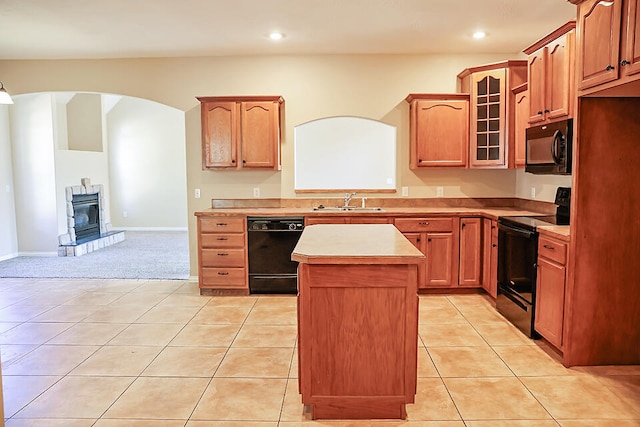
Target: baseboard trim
<point>6,257</point>
<point>151,228</point>
<point>38,253</point>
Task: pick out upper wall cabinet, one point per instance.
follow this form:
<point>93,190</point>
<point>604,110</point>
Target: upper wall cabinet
<point>439,130</point>
<point>608,54</point>
<point>492,124</point>
<point>521,94</point>
<point>551,65</point>
<point>241,132</point>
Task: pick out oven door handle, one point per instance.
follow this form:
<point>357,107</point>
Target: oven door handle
<point>518,231</point>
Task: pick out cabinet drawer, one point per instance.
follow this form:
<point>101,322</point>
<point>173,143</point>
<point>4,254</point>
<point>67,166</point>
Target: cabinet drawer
<point>424,224</point>
<point>222,224</point>
<point>222,257</point>
<point>224,277</point>
<point>552,249</point>
<point>219,240</point>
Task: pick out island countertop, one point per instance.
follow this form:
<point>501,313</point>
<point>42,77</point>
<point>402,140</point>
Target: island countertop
<point>355,244</point>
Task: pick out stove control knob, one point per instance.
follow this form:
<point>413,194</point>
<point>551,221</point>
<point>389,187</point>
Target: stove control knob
<point>292,226</point>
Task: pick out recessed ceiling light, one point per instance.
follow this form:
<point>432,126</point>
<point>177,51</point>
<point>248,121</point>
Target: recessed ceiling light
<point>276,36</point>
<point>479,35</point>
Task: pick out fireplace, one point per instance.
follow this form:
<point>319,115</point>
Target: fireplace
<point>86,216</point>
<point>87,221</point>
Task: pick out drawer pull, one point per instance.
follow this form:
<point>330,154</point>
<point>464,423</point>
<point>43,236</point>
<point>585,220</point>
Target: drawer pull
<point>424,223</point>
<point>551,248</point>
<point>222,238</point>
<point>222,254</point>
<point>221,224</point>
<point>223,273</point>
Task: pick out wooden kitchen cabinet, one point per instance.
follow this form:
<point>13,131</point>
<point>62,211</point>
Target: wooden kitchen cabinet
<point>222,253</point>
<point>551,75</point>
<point>492,106</point>
<point>438,240</point>
<point>550,289</point>
<point>241,132</point>
<point>439,130</point>
<point>470,252</point>
<point>490,256</point>
<point>608,55</point>
<point>521,94</point>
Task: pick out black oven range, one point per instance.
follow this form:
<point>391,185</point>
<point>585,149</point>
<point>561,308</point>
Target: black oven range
<point>517,262</point>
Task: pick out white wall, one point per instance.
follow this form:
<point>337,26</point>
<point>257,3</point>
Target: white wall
<point>313,86</point>
<point>544,185</point>
<point>8,232</point>
<point>34,174</point>
<point>147,165</point>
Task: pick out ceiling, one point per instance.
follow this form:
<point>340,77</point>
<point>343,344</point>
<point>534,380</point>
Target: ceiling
<point>46,29</point>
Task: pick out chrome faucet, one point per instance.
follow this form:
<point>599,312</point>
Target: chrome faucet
<point>347,198</point>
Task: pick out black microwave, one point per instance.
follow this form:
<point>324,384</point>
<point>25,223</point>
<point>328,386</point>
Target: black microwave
<point>549,148</point>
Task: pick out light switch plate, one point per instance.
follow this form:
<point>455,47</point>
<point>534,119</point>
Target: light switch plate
<point>439,191</point>
<point>197,193</point>
<point>405,191</point>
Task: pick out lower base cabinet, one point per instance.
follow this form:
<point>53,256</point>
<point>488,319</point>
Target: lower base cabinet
<point>358,328</point>
<point>550,289</point>
<point>222,254</point>
<point>490,256</point>
<point>438,239</point>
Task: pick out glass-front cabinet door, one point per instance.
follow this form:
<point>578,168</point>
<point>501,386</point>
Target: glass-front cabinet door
<point>487,146</point>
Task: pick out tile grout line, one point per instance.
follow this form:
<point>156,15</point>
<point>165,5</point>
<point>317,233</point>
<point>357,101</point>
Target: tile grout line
<point>221,360</point>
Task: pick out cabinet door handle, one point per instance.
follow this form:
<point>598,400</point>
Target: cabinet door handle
<point>547,111</point>
<point>428,240</point>
<point>223,273</point>
<point>424,223</point>
<point>540,112</point>
<point>494,245</point>
<point>223,254</point>
<point>624,62</point>
<point>233,161</point>
<point>221,224</point>
<point>551,248</point>
<point>609,68</point>
<point>222,238</point>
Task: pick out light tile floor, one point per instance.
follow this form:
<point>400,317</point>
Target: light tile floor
<point>111,353</point>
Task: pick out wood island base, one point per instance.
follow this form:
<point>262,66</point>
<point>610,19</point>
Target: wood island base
<point>357,321</point>
<point>358,409</point>
<point>358,340</point>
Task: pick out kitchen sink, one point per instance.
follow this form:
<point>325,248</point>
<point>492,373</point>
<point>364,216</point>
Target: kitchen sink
<point>346,208</point>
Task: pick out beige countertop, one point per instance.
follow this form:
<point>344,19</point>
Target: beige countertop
<point>558,231</point>
<point>355,244</point>
<point>491,212</point>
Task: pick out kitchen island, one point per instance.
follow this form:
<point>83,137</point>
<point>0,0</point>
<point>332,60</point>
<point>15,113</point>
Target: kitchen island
<point>357,320</point>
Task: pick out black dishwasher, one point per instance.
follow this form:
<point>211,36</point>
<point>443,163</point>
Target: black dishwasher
<point>271,241</point>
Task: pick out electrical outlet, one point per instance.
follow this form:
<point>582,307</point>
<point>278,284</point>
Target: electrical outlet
<point>439,191</point>
<point>197,193</point>
<point>256,192</point>
<point>125,214</point>
<point>405,191</point>
<point>533,192</point>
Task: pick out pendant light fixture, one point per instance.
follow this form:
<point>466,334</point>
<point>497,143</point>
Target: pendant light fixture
<point>5,98</point>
